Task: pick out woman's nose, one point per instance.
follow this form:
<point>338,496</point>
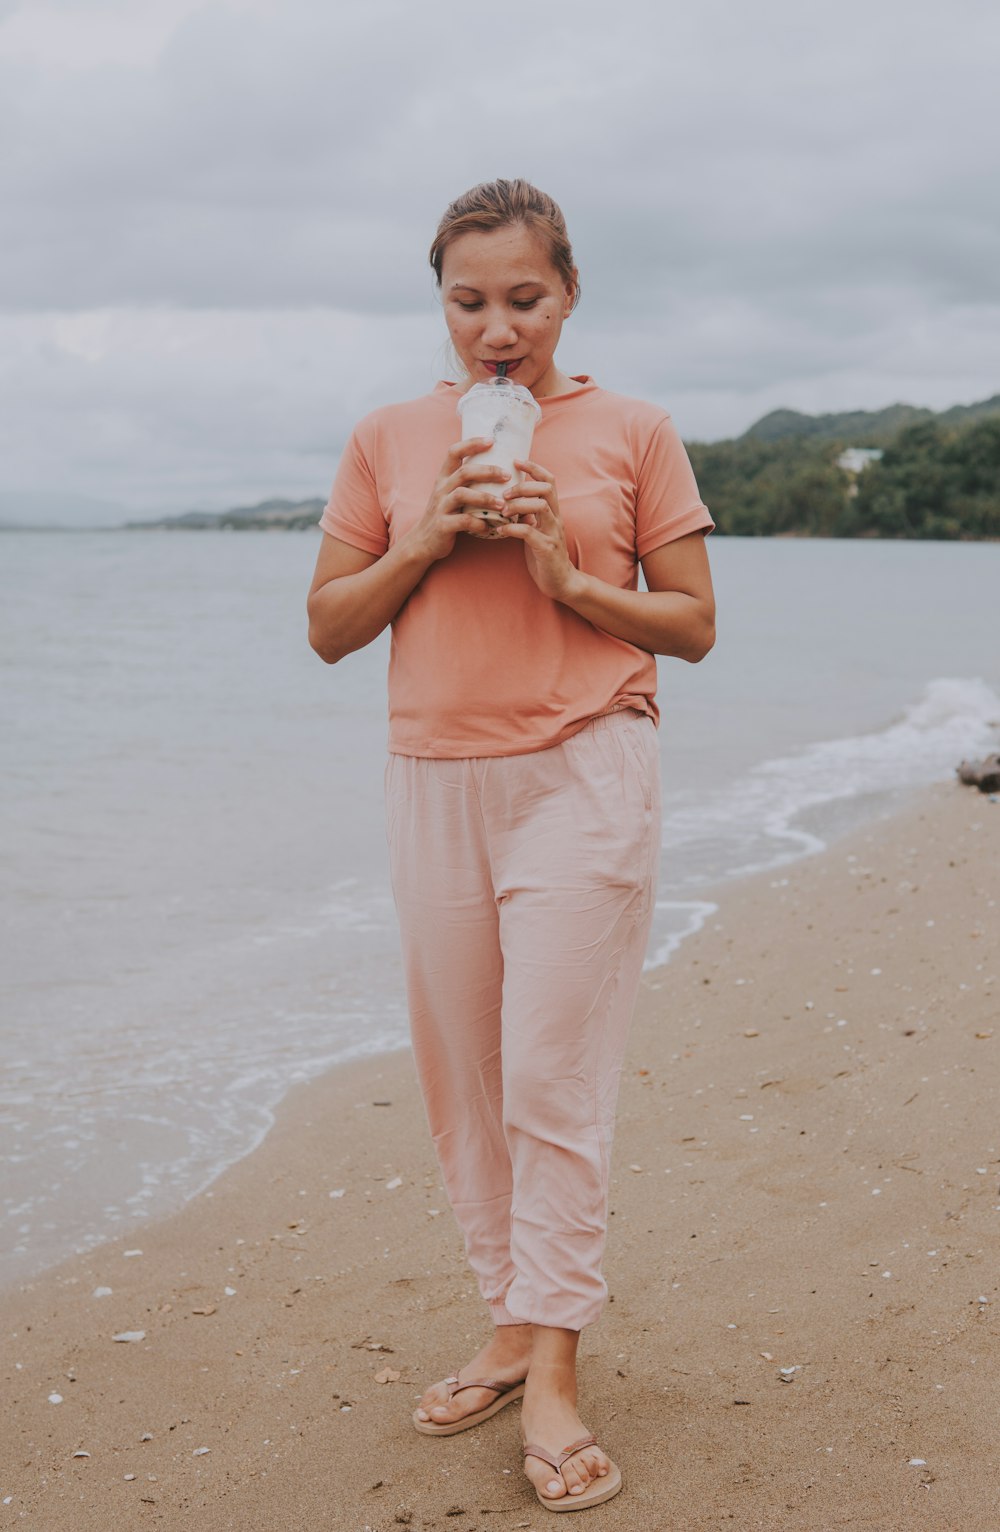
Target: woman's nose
<point>499,331</point>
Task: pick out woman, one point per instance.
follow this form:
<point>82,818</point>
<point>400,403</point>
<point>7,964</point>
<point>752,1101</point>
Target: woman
<point>522,786</point>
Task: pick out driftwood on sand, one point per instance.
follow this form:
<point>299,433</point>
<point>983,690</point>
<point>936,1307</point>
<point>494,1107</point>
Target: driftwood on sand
<point>984,774</point>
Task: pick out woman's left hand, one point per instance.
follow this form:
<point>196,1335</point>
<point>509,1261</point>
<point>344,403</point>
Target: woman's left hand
<point>540,528</point>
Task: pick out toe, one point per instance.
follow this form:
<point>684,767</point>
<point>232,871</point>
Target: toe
<point>446,1410</point>
<point>577,1475</point>
<point>442,1408</point>
<point>433,1403</point>
<point>576,1479</point>
<point>544,1477</point>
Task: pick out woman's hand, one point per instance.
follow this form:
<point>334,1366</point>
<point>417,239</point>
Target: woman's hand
<point>536,502</point>
<point>461,488</point>
<point>355,595</point>
<point>674,615</point>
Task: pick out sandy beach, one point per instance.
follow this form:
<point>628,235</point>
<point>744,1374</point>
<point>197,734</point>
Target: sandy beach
<point>802,1258</point>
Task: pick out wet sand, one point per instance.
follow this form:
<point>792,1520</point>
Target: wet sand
<point>803,1258</point>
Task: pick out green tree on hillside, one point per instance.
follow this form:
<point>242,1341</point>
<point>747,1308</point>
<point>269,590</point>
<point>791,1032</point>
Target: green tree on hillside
<point>764,489</point>
<point>933,481</point>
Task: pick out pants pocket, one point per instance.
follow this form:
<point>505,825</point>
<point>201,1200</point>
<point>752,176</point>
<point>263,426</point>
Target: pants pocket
<point>643,753</point>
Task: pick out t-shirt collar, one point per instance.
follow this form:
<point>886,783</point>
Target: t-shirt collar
<point>448,387</point>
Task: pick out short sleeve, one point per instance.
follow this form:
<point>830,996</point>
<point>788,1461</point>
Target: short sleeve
<point>668,504</point>
<point>353,512</point>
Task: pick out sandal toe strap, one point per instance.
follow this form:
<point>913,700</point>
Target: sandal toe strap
<point>567,1452</point>
<point>454,1387</point>
<point>530,1450</point>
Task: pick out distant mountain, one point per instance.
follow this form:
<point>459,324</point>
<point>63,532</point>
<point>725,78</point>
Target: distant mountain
<point>862,428</point>
<point>274,515</point>
<point>965,414</point>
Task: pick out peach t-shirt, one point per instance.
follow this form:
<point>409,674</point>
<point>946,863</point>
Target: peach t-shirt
<point>481,663</point>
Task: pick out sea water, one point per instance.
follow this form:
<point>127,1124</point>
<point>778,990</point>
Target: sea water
<point>195,907</point>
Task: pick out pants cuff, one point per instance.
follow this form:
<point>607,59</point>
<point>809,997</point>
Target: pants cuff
<point>557,1311</point>
<point>501,1315</point>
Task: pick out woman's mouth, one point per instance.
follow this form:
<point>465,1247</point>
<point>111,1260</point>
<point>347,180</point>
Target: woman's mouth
<point>512,366</point>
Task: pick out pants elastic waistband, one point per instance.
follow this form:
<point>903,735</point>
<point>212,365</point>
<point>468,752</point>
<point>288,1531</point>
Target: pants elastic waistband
<point>620,713</point>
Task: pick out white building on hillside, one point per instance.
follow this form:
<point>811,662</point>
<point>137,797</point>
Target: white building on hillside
<point>854,459</point>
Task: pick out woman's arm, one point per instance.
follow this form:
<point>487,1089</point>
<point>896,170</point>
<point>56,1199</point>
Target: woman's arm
<point>355,595</point>
<point>676,615</point>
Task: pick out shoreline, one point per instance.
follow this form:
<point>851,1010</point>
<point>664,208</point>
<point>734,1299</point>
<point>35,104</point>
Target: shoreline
<point>804,1194</point>
<point>196,971</point>
<point>700,905</point>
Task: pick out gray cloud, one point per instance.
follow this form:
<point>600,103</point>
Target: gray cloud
<point>293,158</point>
<point>221,214</point>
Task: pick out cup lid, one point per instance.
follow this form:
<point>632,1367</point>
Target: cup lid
<point>507,387</point>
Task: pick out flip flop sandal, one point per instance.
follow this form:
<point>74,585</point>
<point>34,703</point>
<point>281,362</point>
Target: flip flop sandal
<point>597,1490</point>
<point>506,1394</point>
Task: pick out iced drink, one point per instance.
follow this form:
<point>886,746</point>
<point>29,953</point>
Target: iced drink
<point>506,412</point>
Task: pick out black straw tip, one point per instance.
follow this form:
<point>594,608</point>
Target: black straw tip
<point>501,369</point>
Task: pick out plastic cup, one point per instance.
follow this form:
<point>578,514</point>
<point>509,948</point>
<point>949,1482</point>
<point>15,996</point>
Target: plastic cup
<point>508,413</point>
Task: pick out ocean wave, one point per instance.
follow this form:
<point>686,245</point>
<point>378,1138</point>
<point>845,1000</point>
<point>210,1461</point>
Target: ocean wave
<point>755,817</point>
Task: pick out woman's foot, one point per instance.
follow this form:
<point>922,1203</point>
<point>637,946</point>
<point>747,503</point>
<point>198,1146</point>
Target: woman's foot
<point>504,1358</point>
<point>549,1419</point>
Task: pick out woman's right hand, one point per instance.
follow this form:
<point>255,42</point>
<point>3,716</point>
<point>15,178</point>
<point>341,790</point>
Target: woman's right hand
<point>355,595</point>
<point>461,488</point>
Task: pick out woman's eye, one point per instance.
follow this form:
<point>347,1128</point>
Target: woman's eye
<point>522,303</point>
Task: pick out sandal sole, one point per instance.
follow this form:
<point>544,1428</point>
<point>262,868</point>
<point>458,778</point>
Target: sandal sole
<point>596,1493</point>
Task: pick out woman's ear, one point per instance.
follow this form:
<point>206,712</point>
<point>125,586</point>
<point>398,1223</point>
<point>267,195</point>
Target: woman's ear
<point>572,294</point>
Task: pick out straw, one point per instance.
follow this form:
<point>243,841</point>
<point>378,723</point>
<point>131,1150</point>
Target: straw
<point>501,369</point>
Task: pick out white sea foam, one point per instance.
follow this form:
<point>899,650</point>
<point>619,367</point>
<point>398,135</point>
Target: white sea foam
<point>681,918</point>
<point>754,818</point>
<point>756,822</point>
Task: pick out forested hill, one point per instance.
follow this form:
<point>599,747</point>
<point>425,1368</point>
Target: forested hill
<point>938,476</point>
<point>863,428</point>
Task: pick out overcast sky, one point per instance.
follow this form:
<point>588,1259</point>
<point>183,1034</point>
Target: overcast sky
<point>217,214</point>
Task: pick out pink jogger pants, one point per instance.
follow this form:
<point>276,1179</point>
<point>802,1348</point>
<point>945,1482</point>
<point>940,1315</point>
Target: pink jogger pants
<point>525,886</point>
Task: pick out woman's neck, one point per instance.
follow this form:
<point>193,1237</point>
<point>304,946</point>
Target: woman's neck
<point>555,382</point>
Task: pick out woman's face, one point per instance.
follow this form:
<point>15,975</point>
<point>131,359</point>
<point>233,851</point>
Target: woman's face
<point>505,302</point>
